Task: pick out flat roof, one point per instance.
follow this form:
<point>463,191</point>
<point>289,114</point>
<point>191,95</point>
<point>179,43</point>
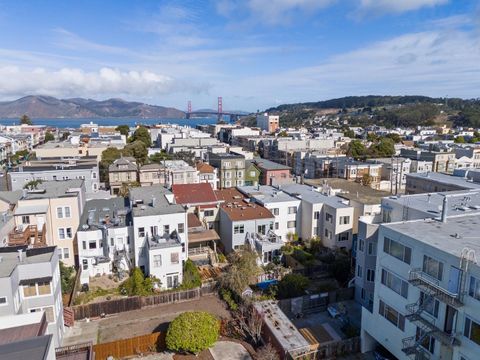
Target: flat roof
<point>311,195</point>
<point>51,189</point>
<point>266,194</point>
<point>143,196</point>
<point>35,348</point>
<point>33,209</point>
<point>97,211</point>
<point>10,258</point>
<point>445,179</point>
<point>269,165</point>
<point>201,193</point>
<point>351,190</point>
<point>451,237</point>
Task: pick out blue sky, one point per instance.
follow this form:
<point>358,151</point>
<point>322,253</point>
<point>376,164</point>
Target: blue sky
<point>254,53</point>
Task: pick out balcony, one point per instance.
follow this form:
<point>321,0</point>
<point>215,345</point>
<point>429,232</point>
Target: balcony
<point>27,235</point>
<point>411,346</point>
<point>431,286</point>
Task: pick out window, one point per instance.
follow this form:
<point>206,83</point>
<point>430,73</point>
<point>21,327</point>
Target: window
<point>174,258</point>
<point>391,315</point>
<point>427,342</point>
<point>84,245</point>
<point>59,212</point>
<point>474,288</point>
<point>432,267</point>
<point>370,275</point>
<point>94,175</point>
<point>277,226</point>
<point>397,250</point>
<point>395,283</point>
<point>262,229</point>
<point>328,234</point>
<point>141,232</point>
<point>344,220</point>
<point>343,236</point>
<point>67,211</point>
<point>172,281</point>
<point>386,216</point>
<point>253,173</point>
<point>166,229</point>
<point>3,300</point>
<point>238,229</point>
<point>154,230</point>
<point>30,290</point>
<point>69,232</point>
<point>275,211</point>
<point>316,215</point>
<point>291,224</point>
<point>66,253</point>
<point>372,248</point>
<point>157,260</point>
<point>34,289</point>
<point>61,233</point>
<point>43,288</point>
<point>429,304</point>
<point>92,244</point>
<point>181,228</point>
<point>292,209</point>
<point>25,219</point>
<point>48,312</point>
<point>208,213</point>
<point>361,244</point>
<point>359,271</point>
<point>472,330</point>
<point>85,264</point>
<point>328,217</point>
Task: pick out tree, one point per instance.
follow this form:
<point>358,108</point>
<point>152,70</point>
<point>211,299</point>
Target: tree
<point>137,284</point>
<point>67,278</point>
<point>292,285</point>
<point>158,157</point>
<point>356,149</point>
<point>142,134</point>
<point>65,135</point>
<point>193,332</point>
<point>138,150</point>
<point>242,270</point>
<point>109,155</point>
<point>385,147</point>
<point>123,129</point>
<point>340,268</point>
<point>187,156</point>
<point>49,136</point>
<point>249,323</point>
<point>25,120</point>
<point>124,190</point>
<point>460,140</point>
<point>32,184</point>
<point>366,180</point>
<point>349,133</point>
<point>267,352</point>
<point>395,137</point>
<point>191,276</point>
<point>282,133</point>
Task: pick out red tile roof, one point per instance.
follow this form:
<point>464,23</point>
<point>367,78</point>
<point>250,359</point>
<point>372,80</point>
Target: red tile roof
<point>194,193</point>
<point>238,208</point>
<point>205,168</point>
<point>193,220</point>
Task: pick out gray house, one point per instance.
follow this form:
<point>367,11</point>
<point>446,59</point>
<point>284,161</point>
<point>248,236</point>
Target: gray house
<point>30,282</point>
<point>231,168</point>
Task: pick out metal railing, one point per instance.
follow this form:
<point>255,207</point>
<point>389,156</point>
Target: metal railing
<point>418,277</point>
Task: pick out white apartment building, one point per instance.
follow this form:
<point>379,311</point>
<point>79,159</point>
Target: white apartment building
<point>105,238</point>
<point>269,123</point>
<point>160,234</point>
<point>284,207</point>
<point>30,282</point>
<point>328,217</point>
<point>427,289</point>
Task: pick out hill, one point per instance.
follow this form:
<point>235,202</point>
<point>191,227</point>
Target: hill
<point>50,107</point>
<point>389,111</point>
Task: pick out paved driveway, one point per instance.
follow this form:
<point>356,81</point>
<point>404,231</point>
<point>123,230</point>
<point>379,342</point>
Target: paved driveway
<point>229,350</point>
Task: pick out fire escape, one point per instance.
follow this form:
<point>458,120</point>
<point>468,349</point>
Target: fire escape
<point>420,312</point>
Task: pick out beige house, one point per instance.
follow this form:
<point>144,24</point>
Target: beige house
<point>66,149</point>
<point>48,215</point>
<point>122,171</point>
<point>151,174</point>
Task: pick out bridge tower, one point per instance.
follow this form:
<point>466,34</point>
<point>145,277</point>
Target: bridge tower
<point>189,109</point>
<point>220,108</point>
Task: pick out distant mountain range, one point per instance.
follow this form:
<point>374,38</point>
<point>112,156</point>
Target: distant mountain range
<point>50,107</point>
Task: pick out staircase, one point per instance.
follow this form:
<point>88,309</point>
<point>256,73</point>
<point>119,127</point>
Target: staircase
<point>431,287</point>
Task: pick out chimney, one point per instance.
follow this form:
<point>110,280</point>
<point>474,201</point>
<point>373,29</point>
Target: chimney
<point>20,255</point>
<point>444,209</point>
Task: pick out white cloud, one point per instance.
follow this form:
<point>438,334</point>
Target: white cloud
<point>379,7</point>
<point>71,41</point>
<point>15,81</point>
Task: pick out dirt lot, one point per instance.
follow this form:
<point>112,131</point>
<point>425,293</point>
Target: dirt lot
<point>139,322</point>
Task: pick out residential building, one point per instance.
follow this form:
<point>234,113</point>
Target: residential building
<point>48,215</point>
<point>284,207</point>
<point>426,300</point>
<point>272,173</point>
<point>470,152</point>
<point>252,174</point>
<point>228,134</point>
<point>207,174</point>
<point>420,166</point>
<point>393,173</point>
<point>441,161</point>
<point>179,172</point>
<point>30,282</point>
<point>73,149</point>
<point>436,182</point>
<point>329,218</point>
<point>105,239</point>
<point>244,223</point>
<point>231,169</point>
<point>358,171</point>
<point>122,171</point>
<point>268,123</point>
<point>51,169</point>
<point>160,234</point>
<point>151,174</point>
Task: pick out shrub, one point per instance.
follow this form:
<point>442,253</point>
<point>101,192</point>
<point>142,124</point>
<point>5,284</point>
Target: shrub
<point>191,276</point>
<point>227,296</point>
<point>292,285</point>
<point>192,332</point>
<point>137,284</point>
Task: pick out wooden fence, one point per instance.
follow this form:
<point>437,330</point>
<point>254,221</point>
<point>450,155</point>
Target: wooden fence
<point>154,342</point>
<point>330,351</point>
<point>138,302</point>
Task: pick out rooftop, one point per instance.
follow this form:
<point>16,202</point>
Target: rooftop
<point>350,190</point>
<point>164,241</point>
<point>99,212</point>
<point>451,237</point>
<point>265,194</point>
<point>243,210</point>
<point>269,165</point>
<point>445,179</point>
<point>35,348</point>
<point>192,194</point>
<point>123,164</point>
<point>311,195</point>
<point>10,259</point>
<point>226,156</point>
<point>205,168</point>
<point>45,190</point>
<point>153,200</point>
<point>229,194</point>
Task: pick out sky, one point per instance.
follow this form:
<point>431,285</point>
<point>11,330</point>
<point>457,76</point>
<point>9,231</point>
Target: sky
<point>256,54</point>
